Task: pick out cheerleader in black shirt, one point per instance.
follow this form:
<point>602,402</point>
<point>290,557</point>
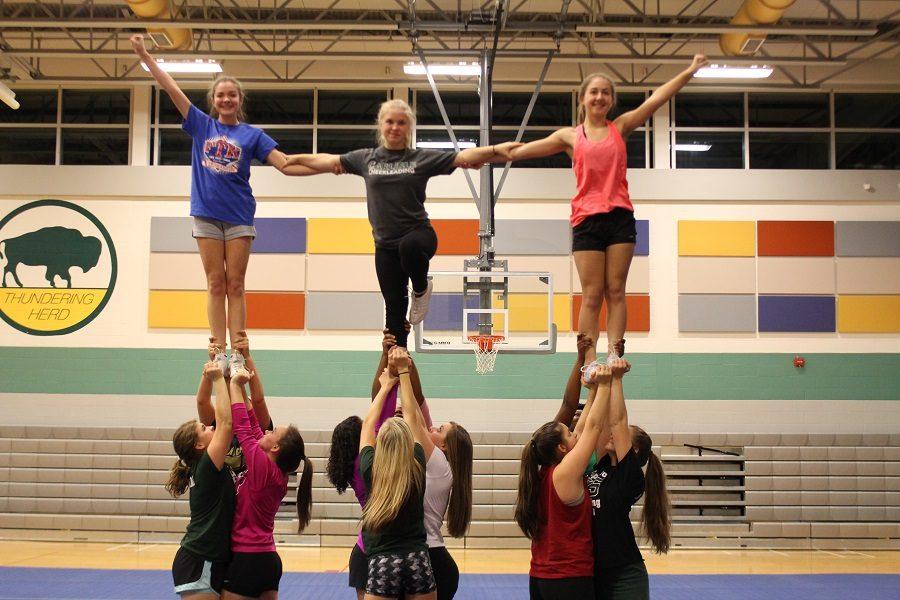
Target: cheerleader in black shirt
<point>615,484</point>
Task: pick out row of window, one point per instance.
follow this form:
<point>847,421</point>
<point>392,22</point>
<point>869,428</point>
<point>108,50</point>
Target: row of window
<point>710,130</point>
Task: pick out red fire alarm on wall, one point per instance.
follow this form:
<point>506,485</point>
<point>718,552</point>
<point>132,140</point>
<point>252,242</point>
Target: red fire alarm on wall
<point>799,362</point>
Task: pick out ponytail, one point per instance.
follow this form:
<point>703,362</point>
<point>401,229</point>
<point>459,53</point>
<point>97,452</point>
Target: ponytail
<point>540,451</point>
<point>304,496</point>
<point>656,519</point>
<point>184,441</point>
<point>459,455</point>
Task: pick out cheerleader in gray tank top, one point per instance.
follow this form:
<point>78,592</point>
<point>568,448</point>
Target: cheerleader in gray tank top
<point>448,481</point>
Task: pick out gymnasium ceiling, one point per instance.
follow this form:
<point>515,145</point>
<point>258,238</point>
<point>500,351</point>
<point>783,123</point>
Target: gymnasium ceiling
<point>818,44</point>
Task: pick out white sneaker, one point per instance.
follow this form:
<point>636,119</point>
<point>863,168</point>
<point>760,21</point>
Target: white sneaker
<point>418,305</point>
<point>237,362</point>
<point>222,360</point>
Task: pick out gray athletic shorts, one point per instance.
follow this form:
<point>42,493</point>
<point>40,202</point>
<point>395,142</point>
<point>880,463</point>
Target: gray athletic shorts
<point>220,230</point>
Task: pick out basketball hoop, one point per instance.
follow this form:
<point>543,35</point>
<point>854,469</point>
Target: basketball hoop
<point>486,348</point>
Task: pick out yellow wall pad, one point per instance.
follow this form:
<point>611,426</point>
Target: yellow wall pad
<point>339,236</point>
<point>716,238</point>
<point>342,273</point>
<point>704,275</point>
<point>795,275</point>
<point>528,312</point>
<point>869,314</point>
<point>177,309</point>
<point>638,277</point>
<point>266,272</point>
<point>876,275</point>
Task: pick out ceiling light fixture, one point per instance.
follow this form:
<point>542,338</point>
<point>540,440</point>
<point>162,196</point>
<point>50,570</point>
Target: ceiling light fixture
<point>187,66</point>
<point>461,68</point>
<point>726,72</point>
<point>8,97</point>
<point>692,147</point>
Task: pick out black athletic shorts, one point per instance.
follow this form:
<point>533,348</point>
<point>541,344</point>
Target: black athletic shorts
<point>446,573</point>
<point>628,582</point>
<point>359,568</point>
<point>194,575</point>
<point>568,588</point>
<point>598,232</point>
<point>252,573</point>
<point>393,574</point>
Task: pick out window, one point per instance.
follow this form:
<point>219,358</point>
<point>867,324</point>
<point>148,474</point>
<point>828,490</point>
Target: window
<point>776,150</point>
<point>867,131</point>
<point>463,108</point>
<point>709,150</point>
<point>339,141</point>
<point>709,110</point>
<point>341,107</point>
<point>788,110</point>
<point>876,111</point>
<point>83,146</point>
<point>867,150</point>
<point>96,106</point>
<point>21,146</point>
<point>293,107</point>
<point>550,109</point>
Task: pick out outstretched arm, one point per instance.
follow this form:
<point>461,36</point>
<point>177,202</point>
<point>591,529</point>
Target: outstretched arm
<point>367,434</point>
<point>164,80</point>
<point>572,394</point>
<point>618,414</point>
<point>318,163</point>
<point>561,140</point>
<point>222,436</point>
<point>278,159</point>
<point>399,358</point>
<point>628,122</point>
<point>485,154</point>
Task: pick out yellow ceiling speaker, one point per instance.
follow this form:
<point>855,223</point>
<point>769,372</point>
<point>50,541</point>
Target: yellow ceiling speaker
<point>752,12</point>
<point>168,38</point>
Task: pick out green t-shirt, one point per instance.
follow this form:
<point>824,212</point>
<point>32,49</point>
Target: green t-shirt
<point>406,533</point>
<point>208,534</point>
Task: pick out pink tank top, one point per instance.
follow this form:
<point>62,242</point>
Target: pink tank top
<point>599,174</point>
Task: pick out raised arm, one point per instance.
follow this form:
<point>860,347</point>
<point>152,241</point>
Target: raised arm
<point>164,80</point>
<point>387,342</point>
<point>222,436</point>
<point>628,122</point>
<point>572,393</point>
<point>399,358</point>
<point>367,434</point>
<point>257,394</point>
<point>568,477</point>
<point>618,414</point>
<point>318,163</point>
<point>561,140</point>
<point>485,154</point>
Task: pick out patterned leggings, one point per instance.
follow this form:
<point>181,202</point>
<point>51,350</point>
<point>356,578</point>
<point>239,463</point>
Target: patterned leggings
<point>393,574</point>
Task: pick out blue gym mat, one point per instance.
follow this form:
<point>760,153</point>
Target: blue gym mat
<point>25,583</point>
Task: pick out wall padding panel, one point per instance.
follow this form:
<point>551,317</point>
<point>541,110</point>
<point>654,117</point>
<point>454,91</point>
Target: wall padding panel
<point>879,275</point>
<point>456,236</point>
<point>273,235</point>
<point>716,238</point>
<point>796,313</point>
<point>172,234</point>
<point>340,236</point>
<point>342,310</point>
<point>638,313</point>
<point>274,310</point>
<point>560,267</point>
<point>178,309</point>
<point>716,275</point>
<point>176,271</point>
<point>642,243</point>
<point>796,238</point>
<point>710,313</point>
<point>265,272</point>
<point>528,312</point>
<point>869,314</point>
<point>537,237</point>
<point>638,277</point>
<point>867,238</point>
<point>804,275</point>
<point>342,273</point>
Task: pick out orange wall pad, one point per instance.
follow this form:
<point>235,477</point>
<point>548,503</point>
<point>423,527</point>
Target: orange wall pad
<point>795,238</point>
<point>638,313</point>
<point>456,236</point>
<point>272,310</point>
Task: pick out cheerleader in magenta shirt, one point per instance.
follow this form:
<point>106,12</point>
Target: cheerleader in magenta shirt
<point>603,225</point>
<point>255,568</point>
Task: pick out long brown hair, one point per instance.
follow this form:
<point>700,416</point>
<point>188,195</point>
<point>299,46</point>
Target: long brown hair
<point>291,452</point>
<point>211,95</point>
<point>539,452</point>
<point>184,441</point>
<point>656,518</point>
<point>395,475</point>
<point>583,90</point>
<point>459,455</point>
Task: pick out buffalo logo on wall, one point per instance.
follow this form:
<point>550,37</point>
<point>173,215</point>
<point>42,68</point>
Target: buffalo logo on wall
<point>59,267</point>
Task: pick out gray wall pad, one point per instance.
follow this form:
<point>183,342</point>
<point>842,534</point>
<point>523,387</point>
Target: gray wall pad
<point>340,310</point>
<point>867,238</point>
<point>716,312</point>
<point>526,236</point>
<point>172,234</point>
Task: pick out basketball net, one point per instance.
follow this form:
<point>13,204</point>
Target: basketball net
<point>486,348</point>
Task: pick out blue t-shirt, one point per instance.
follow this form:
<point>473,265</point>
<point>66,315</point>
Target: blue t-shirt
<point>220,167</point>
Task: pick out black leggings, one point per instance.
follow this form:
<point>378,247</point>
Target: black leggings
<point>568,588</point>
<point>446,573</point>
<point>395,266</point>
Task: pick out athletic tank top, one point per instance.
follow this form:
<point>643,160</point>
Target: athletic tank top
<point>599,174</point>
<point>564,547</point>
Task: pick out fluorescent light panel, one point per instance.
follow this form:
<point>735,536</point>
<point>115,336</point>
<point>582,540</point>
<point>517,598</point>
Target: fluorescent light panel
<point>692,147</point>
<point>461,68</point>
<point>726,72</point>
<point>444,145</point>
<point>8,97</point>
<point>187,66</point>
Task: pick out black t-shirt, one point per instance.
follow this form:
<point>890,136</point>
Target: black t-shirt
<point>395,187</point>
<point>614,490</point>
<point>234,457</point>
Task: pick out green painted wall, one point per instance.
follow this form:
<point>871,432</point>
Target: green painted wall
<point>349,374</point>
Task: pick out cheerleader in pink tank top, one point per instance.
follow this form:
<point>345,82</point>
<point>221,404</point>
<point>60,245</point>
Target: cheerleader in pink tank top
<point>603,225</point>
